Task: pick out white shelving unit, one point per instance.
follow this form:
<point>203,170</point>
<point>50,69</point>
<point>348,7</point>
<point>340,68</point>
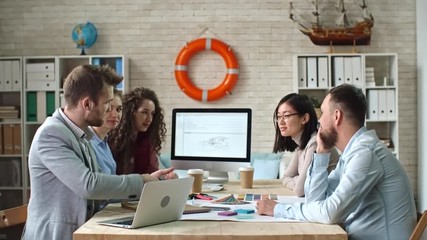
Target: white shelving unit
<point>375,73</point>
<point>11,157</point>
<point>30,91</point>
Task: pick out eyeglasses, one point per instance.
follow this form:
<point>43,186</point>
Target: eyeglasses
<point>284,117</point>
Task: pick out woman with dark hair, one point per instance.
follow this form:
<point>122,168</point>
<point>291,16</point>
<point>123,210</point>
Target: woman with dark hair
<point>295,122</point>
<point>137,140</point>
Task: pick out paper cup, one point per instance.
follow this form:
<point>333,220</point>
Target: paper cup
<point>198,179</point>
<point>246,177</point>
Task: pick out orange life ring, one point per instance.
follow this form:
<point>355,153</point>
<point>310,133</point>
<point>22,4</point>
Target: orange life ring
<point>181,73</point>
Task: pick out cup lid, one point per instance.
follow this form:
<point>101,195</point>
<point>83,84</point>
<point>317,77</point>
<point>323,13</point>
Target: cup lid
<point>247,168</point>
<point>195,171</point>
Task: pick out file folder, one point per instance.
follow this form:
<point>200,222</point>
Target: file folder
<point>2,76</point>
<point>302,72</point>
<point>348,70</point>
<point>1,139</point>
<point>322,70</point>
<point>16,76</point>
<point>391,105</point>
<point>338,71</point>
<point>16,141</point>
<point>357,72</point>
<point>41,106</point>
<point>382,104</point>
<point>7,75</point>
<point>31,106</point>
<point>8,138</point>
<point>50,103</point>
<point>373,104</point>
<point>312,72</point>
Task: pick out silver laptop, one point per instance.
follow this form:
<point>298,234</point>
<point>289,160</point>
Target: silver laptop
<point>160,202</point>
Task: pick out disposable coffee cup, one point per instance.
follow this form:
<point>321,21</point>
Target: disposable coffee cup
<point>246,177</point>
<point>198,179</point>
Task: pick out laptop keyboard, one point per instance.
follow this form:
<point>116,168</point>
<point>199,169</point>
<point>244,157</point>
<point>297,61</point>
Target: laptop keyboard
<point>126,222</point>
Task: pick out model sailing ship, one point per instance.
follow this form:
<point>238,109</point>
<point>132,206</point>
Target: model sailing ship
<point>344,32</point>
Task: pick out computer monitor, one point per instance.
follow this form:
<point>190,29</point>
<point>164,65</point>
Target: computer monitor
<point>217,140</point>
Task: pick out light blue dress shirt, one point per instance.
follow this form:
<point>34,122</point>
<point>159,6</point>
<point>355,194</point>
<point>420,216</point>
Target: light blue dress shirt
<point>369,192</point>
<point>103,154</point>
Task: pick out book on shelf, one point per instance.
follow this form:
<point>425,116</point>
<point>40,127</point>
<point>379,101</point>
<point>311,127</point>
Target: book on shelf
<point>370,77</point>
<point>9,112</point>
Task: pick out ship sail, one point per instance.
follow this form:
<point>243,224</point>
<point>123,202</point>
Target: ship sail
<point>351,25</point>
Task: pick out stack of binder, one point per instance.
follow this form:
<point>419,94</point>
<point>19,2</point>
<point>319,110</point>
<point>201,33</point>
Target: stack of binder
<point>9,112</point>
<point>369,76</point>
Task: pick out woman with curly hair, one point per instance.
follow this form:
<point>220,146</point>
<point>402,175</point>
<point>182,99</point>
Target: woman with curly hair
<point>137,140</point>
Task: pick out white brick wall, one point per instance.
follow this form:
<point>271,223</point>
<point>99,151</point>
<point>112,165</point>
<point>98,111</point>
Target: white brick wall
<point>151,33</point>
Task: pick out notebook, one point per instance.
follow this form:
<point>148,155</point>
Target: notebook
<point>160,202</point>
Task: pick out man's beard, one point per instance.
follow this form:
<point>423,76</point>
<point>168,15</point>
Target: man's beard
<point>329,138</point>
<point>93,120</point>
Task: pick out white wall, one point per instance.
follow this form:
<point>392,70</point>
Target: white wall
<point>422,99</point>
<point>151,33</point>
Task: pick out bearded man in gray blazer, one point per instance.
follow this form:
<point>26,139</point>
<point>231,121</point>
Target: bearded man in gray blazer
<point>64,173</point>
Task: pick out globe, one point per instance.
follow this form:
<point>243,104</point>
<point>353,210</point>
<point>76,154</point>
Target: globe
<point>84,35</point>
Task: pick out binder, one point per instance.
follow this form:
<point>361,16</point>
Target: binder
<point>338,71</point>
<point>119,71</point>
<point>96,61</point>
<point>50,103</point>
<point>16,76</point>
<point>373,104</point>
<point>8,138</point>
<point>31,106</point>
<point>357,72</point>
<point>7,75</point>
<point>1,75</point>
<point>348,70</point>
<point>41,106</point>
<point>16,139</point>
<point>1,139</point>
<point>312,72</point>
<point>322,70</point>
<point>62,102</point>
<point>391,105</point>
<point>302,72</point>
<point>382,104</point>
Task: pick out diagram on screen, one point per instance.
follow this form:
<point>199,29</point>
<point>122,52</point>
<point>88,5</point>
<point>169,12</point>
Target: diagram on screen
<point>216,143</point>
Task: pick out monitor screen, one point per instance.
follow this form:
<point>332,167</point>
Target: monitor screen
<point>213,139</point>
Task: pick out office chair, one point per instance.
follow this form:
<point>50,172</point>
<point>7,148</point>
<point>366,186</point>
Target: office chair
<point>419,228</point>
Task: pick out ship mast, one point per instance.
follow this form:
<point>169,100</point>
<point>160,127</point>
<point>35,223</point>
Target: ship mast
<point>316,13</point>
<point>295,17</point>
<point>342,21</point>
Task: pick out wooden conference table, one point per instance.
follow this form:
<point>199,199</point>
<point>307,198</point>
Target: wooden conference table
<point>207,230</point>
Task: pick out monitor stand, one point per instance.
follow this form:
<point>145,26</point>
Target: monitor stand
<point>217,177</point>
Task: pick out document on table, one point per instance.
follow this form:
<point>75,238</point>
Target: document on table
<point>253,217</point>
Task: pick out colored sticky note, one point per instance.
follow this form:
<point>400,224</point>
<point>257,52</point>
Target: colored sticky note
<point>227,213</point>
<point>245,216</point>
<point>249,197</point>
<point>244,211</point>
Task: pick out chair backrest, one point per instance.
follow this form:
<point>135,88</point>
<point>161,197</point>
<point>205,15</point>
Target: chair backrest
<point>13,216</point>
<point>419,228</point>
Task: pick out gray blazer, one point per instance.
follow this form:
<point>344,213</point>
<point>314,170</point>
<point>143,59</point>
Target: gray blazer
<point>62,182</point>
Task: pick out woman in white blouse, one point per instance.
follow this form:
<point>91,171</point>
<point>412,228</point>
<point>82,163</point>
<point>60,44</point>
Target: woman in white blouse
<point>295,123</point>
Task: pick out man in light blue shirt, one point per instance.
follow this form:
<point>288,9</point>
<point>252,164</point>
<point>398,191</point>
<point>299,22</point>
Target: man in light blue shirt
<point>369,192</point>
